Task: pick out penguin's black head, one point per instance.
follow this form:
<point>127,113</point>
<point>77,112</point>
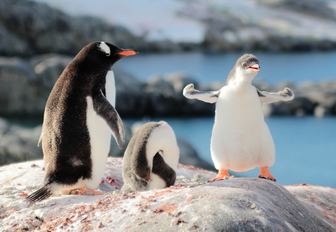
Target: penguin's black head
<point>112,53</point>
<point>100,56</point>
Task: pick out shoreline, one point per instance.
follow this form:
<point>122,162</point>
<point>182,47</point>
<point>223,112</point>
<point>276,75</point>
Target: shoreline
<point>160,96</point>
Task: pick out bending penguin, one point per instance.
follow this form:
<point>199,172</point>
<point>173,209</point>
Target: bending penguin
<point>78,120</point>
<point>240,138</point>
<point>151,158</point>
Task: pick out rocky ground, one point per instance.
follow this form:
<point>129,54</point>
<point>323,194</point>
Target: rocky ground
<point>193,204</point>
<point>33,79</point>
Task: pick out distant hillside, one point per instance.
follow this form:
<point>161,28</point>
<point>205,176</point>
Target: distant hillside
<point>28,28</point>
<point>31,27</point>
<point>270,25</point>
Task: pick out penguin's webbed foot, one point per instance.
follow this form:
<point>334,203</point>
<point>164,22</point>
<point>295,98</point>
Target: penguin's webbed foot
<point>222,175</point>
<point>266,174</point>
<point>85,191</point>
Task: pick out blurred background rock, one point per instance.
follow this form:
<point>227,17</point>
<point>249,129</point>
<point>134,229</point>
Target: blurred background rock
<point>181,41</point>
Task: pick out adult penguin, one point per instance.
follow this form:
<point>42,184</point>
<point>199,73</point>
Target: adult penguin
<point>78,120</point>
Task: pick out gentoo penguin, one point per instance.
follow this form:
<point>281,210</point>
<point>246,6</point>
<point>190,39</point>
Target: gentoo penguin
<point>240,138</point>
<point>78,120</point>
<point>151,158</point>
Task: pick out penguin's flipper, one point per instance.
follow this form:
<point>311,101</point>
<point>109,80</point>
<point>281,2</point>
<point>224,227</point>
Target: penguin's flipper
<point>40,194</point>
<point>270,97</point>
<point>111,116</point>
<point>206,96</point>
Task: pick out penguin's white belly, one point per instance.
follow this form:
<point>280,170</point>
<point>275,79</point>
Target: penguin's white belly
<point>100,135</point>
<point>156,182</point>
<point>240,138</point>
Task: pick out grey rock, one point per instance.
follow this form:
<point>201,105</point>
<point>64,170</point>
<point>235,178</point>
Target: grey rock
<point>11,44</point>
<point>131,101</point>
<point>160,97</point>
<point>189,156</point>
<point>30,28</point>
<point>321,111</point>
<point>16,87</point>
<point>18,143</point>
<point>165,93</point>
<point>25,85</point>
<point>193,204</point>
<point>178,81</point>
<point>48,68</point>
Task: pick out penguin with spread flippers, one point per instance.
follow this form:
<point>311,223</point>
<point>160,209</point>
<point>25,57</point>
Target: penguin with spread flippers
<point>151,158</point>
<point>240,138</point>
<point>79,119</point>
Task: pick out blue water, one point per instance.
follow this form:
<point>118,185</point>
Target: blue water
<point>305,147</point>
<point>205,68</point>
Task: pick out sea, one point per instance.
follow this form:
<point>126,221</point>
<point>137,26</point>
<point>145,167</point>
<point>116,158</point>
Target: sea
<point>305,146</point>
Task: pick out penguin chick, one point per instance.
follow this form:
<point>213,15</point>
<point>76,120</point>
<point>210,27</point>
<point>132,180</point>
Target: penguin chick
<point>151,158</point>
<point>79,118</point>
<point>240,138</point>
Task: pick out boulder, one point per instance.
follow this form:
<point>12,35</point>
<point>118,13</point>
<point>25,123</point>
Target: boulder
<point>17,92</point>
<point>192,204</point>
<point>18,144</point>
<point>166,98</point>
<point>131,100</point>
<point>161,97</point>
<point>189,156</point>
<point>25,85</point>
<point>29,28</point>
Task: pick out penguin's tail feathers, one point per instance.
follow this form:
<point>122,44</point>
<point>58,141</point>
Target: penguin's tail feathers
<point>40,194</point>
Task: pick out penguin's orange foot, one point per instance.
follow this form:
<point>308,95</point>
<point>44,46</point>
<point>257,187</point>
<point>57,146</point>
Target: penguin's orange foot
<point>85,191</point>
<point>266,174</point>
<point>222,175</point>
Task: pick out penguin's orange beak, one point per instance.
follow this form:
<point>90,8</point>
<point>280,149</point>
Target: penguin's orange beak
<point>127,52</point>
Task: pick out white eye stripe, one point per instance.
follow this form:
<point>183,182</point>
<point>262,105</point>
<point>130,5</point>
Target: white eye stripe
<point>104,48</point>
